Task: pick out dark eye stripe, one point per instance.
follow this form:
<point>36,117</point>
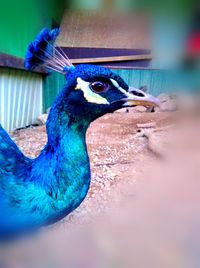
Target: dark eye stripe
<point>136,93</point>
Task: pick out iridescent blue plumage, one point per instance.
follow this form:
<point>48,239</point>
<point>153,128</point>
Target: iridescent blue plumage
<point>43,52</point>
<point>41,191</point>
<point>38,192</point>
<point>41,48</point>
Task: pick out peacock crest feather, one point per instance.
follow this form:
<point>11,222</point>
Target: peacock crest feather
<point>44,52</point>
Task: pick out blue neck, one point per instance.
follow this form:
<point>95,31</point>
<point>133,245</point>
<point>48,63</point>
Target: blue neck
<point>63,167</point>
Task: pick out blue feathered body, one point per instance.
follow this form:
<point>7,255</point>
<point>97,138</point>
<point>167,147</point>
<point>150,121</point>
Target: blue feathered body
<point>38,192</point>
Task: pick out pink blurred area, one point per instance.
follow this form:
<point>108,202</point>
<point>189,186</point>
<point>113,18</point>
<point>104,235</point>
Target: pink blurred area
<point>151,219</point>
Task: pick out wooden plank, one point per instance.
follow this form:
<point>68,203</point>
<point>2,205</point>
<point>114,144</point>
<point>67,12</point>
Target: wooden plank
<point>9,61</point>
<point>112,59</point>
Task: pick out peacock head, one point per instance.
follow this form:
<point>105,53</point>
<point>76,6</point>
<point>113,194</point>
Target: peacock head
<point>91,91</point>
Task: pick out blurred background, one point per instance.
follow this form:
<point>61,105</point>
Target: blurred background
<point>148,43</point>
<point>143,206</point>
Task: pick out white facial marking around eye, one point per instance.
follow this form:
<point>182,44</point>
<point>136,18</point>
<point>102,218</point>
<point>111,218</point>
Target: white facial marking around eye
<point>89,95</point>
<point>115,84</point>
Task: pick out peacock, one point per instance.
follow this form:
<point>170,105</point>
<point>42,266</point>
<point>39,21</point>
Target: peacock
<point>41,191</point>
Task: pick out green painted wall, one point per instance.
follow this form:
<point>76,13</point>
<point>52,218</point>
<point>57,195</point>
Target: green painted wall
<point>21,20</point>
<point>52,85</point>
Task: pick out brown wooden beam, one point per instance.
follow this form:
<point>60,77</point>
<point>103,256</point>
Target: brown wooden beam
<point>112,59</point>
<point>9,61</point>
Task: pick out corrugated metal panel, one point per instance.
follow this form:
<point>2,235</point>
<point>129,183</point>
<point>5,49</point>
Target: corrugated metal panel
<point>20,98</point>
<point>157,81</point>
<point>53,84</point>
<point>162,80</point>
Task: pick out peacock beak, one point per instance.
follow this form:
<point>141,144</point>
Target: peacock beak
<point>137,97</point>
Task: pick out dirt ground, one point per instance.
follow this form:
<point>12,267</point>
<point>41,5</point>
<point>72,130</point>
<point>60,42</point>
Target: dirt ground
<point>116,150</point>
<point>142,209</point>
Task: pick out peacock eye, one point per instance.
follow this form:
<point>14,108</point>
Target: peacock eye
<point>99,87</point>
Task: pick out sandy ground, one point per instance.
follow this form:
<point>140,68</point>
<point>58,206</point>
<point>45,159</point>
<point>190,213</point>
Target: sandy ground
<point>142,209</point>
<point>117,151</point>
